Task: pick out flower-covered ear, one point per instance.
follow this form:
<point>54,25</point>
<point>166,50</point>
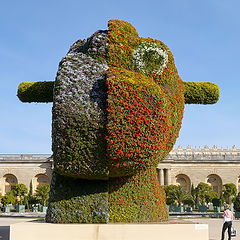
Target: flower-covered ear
<point>122,40</point>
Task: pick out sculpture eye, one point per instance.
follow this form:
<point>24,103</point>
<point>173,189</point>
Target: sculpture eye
<point>150,58</point>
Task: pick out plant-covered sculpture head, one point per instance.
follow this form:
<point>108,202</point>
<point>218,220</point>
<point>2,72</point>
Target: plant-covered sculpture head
<point>118,103</point>
<point>121,116</point>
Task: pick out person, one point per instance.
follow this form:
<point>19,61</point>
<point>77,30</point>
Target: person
<point>227,221</point>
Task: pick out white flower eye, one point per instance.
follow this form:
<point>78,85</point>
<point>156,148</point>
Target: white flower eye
<point>150,58</point>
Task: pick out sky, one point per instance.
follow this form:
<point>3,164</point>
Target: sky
<point>204,37</point>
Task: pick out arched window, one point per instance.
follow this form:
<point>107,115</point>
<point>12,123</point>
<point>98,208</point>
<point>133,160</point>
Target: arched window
<point>215,182</point>
<point>9,181</point>
<point>42,179</point>
<point>183,181</point>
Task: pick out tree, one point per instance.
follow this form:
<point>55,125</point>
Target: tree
<point>169,194</point>
<point>236,203</point>
<point>30,199</point>
<point>19,191</point>
<point>229,192</point>
<point>180,195</point>
<point>216,202</point>
<point>175,194</point>
<point>189,200</point>
<point>204,193</point>
<point>42,193</point>
<point>8,199</point>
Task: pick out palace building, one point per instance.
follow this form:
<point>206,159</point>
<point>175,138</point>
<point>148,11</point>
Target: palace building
<point>215,166</point>
<point>29,169</point>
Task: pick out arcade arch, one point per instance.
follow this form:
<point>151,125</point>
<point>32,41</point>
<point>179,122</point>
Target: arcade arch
<point>40,180</point>
<point>215,182</point>
<point>9,181</point>
<point>183,181</point>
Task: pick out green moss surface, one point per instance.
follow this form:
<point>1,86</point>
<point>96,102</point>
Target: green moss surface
<point>201,93</point>
<point>74,200</point>
<point>136,199</point>
<point>36,91</point>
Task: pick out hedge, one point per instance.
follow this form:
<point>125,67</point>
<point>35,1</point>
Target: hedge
<point>201,93</point>
<point>36,91</point>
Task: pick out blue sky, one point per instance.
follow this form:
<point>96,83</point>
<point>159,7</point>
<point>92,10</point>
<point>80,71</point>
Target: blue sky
<point>204,37</point>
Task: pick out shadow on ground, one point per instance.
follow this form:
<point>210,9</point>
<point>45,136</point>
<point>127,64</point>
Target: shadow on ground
<point>4,232</point>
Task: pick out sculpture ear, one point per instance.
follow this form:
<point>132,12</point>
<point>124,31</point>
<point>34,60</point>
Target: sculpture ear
<point>201,93</point>
<point>36,91</point>
<point>121,28</point>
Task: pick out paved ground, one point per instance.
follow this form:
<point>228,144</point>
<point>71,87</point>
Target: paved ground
<point>215,227</point>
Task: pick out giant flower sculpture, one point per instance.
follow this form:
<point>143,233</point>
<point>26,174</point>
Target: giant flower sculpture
<point>118,103</point>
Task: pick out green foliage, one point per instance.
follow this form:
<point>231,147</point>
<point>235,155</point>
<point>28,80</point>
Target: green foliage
<point>42,193</point>
<point>31,200</point>
<point>204,193</point>
<point>36,91</point>
<point>175,194</point>
<point>169,190</point>
<point>81,148</point>
<point>201,93</point>
<point>216,202</point>
<point>138,198</point>
<point>74,200</point>
<point>8,199</point>
<point>229,192</point>
<point>189,200</point>
<point>19,191</point>
<point>123,199</point>
<point>30,189</point>
<point>236,203</point>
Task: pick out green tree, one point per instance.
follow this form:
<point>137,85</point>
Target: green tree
<point>169,194</point>
<point>8,199</point>
<point>175,194</point>
<point>30,198</point>
<point>30,192</point>
<point>194,195</point>
<point>216,202</point>
<point>229,192</point>
<point>19,191</point>
<point>42,193</point>
<point>236,203</point>
<point>204,193</point>
<point>180,195</point>
<point>189,200</point>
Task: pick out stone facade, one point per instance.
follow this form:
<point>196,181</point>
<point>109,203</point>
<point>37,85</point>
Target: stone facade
<point>184,167</point>
<point>29,169</point>
<point>214,166</point>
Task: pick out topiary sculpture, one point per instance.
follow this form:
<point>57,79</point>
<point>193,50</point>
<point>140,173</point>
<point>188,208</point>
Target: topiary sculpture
<point>118,103</point>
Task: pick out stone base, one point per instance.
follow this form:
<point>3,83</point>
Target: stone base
<point>49,231</point>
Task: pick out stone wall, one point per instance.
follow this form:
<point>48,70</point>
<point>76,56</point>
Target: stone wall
<point>188,166</point>
<point>185,167</point>
<point>24,168</point>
